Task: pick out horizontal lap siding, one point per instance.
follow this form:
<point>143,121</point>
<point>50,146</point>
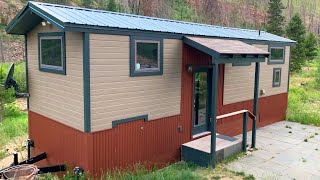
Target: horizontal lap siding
<point>115,95</point>
<point>239,80</point>
<point>59,97</point>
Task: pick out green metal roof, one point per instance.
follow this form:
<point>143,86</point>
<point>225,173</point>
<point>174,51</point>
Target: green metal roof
<point>81,19</point>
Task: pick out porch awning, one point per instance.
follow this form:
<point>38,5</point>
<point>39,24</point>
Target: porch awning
<point>227,51</point>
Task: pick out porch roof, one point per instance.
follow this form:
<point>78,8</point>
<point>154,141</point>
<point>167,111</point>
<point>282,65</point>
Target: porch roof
<point>227,51</point>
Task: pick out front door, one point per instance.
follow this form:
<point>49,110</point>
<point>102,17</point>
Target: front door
<point>200,101</point>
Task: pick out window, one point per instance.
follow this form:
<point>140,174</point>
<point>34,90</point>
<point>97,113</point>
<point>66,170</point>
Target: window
<point>276,77</point>
<point>276,55</point>
<point>52,52</point>
<point>146,56</point>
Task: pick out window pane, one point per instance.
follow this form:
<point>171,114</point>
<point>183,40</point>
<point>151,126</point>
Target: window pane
<point>276,54</point>
<point>277,77</point>
<point>51,52</point>
<point>147,56</point>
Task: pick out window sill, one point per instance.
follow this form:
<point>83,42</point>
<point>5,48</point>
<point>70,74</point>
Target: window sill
<point>146,73</point>
<point>54,71</point>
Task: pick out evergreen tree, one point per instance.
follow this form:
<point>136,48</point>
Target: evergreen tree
<point>112,6</point>
<point>297,31</point>
<point>276,20</point>
<point>87,3</point>
<point>311,45</point>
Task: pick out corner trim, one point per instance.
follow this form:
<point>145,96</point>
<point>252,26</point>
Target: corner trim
<point>134,73</point>
<point>86,83</point>
<point>274,70</point>
<point>120,121</point>
<point>55,71</point>
<point>26,64</point>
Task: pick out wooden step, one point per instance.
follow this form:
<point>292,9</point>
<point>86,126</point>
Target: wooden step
<point>198,151</point>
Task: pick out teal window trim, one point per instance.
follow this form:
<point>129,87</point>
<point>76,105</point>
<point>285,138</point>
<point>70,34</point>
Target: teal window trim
<point>278,61</point>
<point>48,69</point>
<point>126,120</point>
<point>242,64</point>
<point>133,72</point>
<point>274,83</point>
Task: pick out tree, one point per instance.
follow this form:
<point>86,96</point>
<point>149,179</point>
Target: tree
<point>112,6</point>
<point>275,19</point>
<point>311,45</point>
<point>297,31</point>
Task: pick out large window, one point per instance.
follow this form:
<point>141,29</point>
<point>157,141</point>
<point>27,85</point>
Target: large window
<point>146,56</point>
<point>276,55</point>
<point>276,77</point>
<point>52,52</point>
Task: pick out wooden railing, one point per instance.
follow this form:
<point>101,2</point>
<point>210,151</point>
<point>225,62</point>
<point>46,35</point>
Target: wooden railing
<point>246,114</point>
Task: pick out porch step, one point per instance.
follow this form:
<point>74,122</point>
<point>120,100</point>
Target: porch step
<point>198,151</point>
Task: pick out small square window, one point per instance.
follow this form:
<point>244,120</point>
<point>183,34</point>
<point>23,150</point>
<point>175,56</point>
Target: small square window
<point>276,77</point>
<point>276,55</point>
<point>52,52</point>
<point>146,56</point>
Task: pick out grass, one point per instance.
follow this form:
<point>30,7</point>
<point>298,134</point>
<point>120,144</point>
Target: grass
<point>14,124</point>
<point>304,95</point>
<point>177,171</point>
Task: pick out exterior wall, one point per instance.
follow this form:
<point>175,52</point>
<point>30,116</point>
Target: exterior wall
<point>151,142</point>
<point>59,97</point>
<point>115,95</point>
<point>239,80</point>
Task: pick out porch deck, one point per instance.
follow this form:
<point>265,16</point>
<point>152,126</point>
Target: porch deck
<point>198,151</point>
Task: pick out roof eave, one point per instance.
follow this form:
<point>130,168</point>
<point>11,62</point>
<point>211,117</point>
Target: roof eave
<point>31,8</point>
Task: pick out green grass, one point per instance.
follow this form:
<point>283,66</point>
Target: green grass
<point>177,171</point>
<point>304,95</point>
<point>15,124</point>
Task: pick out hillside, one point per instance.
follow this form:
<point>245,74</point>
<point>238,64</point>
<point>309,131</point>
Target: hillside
<point>248,14</point>
<point>233,13</point>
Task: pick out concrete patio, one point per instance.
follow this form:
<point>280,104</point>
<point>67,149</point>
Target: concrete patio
<point>286,150</point>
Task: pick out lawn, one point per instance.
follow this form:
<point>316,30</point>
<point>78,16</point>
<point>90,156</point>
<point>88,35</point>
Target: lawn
<point>304,95</point>
<point>177,171</point>
<point>15,123</point>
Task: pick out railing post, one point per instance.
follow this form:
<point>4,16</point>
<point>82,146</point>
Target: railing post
<point>244,132</point>
<point>213,115</point>
<point>255,104</point>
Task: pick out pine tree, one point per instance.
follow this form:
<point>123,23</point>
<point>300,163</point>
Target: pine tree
<point>297,31</point>
<point>276,20</point>
<point>112,6</point>
<point>311,45</point>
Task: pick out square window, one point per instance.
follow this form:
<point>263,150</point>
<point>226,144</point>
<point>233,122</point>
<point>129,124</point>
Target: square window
<point>276,55</point>
<point>276,77</point>
<point>52,52</point>
<point>146,56</point>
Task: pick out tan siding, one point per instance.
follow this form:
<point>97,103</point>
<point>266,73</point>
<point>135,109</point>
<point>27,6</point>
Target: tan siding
<point>115,95</point>
<point>239,81</point>
<point>58,97</point>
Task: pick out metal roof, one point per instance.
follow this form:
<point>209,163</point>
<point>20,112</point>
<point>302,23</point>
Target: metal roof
<point>91,18</point>
<point>226,46</point>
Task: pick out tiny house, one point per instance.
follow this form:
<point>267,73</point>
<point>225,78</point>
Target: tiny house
<point>108,90</point>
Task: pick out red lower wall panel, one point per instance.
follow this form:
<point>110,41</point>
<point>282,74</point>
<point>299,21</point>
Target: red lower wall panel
<point>155,142</point>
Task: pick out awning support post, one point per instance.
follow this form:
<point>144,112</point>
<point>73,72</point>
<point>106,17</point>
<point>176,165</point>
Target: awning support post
<point>255,104</point>
<point>213,115</point>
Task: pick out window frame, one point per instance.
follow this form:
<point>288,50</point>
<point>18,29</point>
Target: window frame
<point>133,50</point>
<point>50,68</point>
<point>274,83</point>
<point>277,61</point>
